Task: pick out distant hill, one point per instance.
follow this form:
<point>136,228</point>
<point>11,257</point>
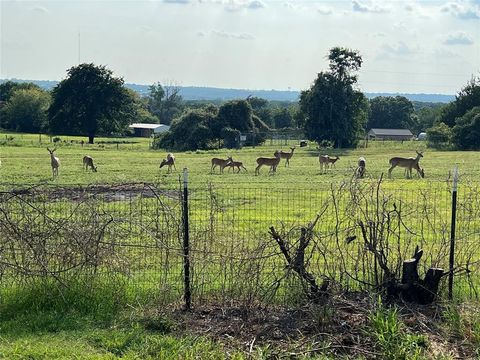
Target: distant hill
<point>210,93</point>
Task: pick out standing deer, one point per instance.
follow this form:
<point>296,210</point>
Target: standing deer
<point>286,155</point>
<point>170,161</point>
<point>88,162</point>
<point>272,162</point>
<point>360,172</point>
<point>235,164</point>
<point>221,163</point>
<point>54,162</point>
<point>324,161</point>
<point>408,164</point>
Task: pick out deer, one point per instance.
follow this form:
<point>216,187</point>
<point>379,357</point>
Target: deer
<point>272,162</point>
<point>332,161</point>
<point>88,162</point>
<point>236,164</point>
<point>324,161</point>
<point>408,164</point>
<point>54,162</point>
<point>360,171</point>
<point>169,161</point>
<point>221,163</point>
<point>286,155</point>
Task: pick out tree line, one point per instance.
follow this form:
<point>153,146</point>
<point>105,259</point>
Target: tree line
<point>91,101</point>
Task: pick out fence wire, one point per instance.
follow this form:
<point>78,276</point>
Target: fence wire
<point>134,232</point>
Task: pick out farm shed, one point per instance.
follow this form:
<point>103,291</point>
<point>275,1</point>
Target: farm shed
<point>146,130</point>
<point>390,134</point>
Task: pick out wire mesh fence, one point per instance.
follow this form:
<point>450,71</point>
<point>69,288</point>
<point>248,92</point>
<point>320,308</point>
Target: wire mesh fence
<point>134,232</point>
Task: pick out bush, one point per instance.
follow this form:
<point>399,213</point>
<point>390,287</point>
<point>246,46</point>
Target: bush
<point>466,132</point>
<point>439,136</point>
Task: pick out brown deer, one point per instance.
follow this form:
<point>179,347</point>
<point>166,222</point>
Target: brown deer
<point>272,162</point>
<point>54,162</point>
<point>286,155</point>
<point>88,162</point>
<point>408,164</point>
<point>332,161</point>
<point>221,163</point>
<point>235,164</point>
<point>169,161</point>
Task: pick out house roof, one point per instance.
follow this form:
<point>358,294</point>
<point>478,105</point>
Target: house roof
<point>145,126</point>
<point>391,132</point>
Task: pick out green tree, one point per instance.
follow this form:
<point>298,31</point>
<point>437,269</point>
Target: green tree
<point>467,98</point>
<point>333,109</point>
<point>90,101</point>
<point>262,109</point>
<point>26,110</point>
<point>8,87</point>
<point>466,132</point>
<point>439,135</point>
<point>282,119</point>
<point>236,114</point>
<point>165,102</point>
<point>392,113</point>
<point>191,131</point>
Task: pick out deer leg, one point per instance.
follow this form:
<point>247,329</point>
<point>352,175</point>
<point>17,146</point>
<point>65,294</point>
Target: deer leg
<point>390,170</point>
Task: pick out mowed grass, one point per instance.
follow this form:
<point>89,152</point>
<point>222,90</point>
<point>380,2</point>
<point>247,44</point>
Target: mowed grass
<point>26,161</point>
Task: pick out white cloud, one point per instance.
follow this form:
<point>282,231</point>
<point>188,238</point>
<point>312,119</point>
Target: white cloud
<point>256,4</point>
<point>462,10</point>
<point>177,1</point>
<point>240,36</point>
<point>40,10</point>
<point>458,38</point>
<point>374,8</point>
<point>237,5</point>
<point>394,51</point>
<point>324,11</point>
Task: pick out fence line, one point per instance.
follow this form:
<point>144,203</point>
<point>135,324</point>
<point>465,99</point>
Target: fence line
<point>135,232</point>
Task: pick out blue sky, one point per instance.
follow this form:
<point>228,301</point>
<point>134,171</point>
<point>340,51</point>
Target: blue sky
<point>407,46</point>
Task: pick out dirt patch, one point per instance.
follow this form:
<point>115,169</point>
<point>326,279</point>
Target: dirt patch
<point>339,328</point>
<point>107,193</point>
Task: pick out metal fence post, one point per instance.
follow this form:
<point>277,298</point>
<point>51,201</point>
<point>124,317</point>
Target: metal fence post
<point>452,233</point>
<point>186,244</point>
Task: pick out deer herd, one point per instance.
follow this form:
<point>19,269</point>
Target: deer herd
<point>325,161</point>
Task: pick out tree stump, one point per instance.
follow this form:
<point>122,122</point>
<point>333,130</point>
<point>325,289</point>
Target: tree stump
<point>414,289</point>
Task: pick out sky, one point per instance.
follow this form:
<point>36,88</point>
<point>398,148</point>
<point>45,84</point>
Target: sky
<point>407,46</point>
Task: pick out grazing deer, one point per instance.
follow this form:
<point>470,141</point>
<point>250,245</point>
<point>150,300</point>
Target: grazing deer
<point>235,164</point>
<point>88,162</point>
<point>332,161</point>
<point>170,161</point>
<point>221,163</point>
<point>286,155</point>
<point>54,162</point>
<point>272,162</point>
<point>360,172</point>
<point>408,164</point>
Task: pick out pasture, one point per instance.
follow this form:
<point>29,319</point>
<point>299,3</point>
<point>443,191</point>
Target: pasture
<point>233,257</point>
<point>26,161</point>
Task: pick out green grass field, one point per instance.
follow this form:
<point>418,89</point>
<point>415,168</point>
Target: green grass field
<point>229,222</point>
<point>26,161</point>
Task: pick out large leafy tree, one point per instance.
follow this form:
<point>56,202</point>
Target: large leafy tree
<point>467,99</point>
<point>392,113</point>
<point>26,110</point>
<point>333,109</point>
<point>466,132</point>
<point>90,101</point>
